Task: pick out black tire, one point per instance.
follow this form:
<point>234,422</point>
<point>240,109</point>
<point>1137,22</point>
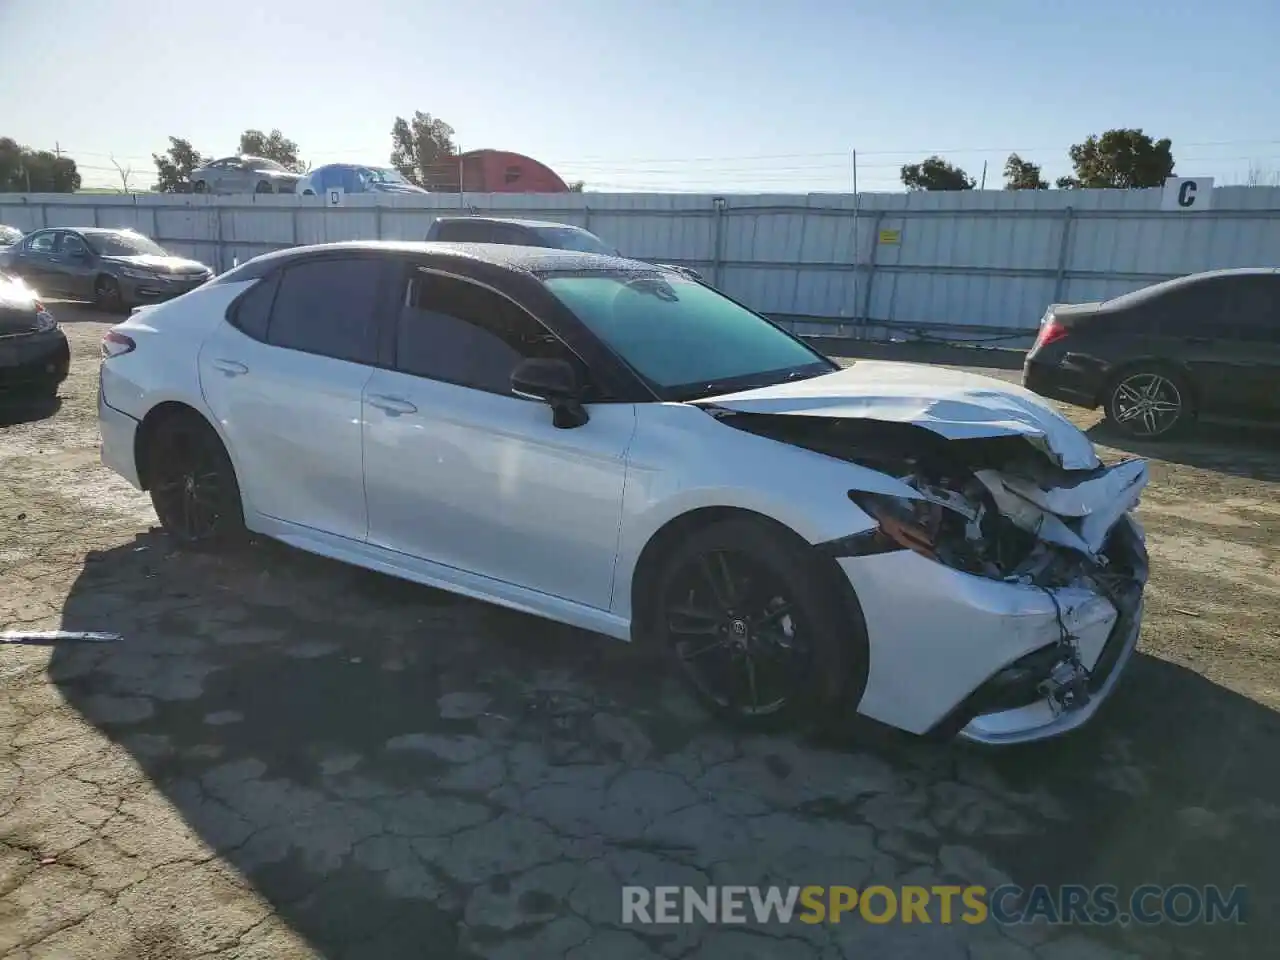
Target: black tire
<point>786,630</point>
<point>1149,401</point>
<point>106,294</point>
<point>200,187</point>
<point>263,187</point>
<point>193,484</point>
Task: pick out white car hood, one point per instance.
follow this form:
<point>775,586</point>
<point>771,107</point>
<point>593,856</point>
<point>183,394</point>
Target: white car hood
<point>951,403</point>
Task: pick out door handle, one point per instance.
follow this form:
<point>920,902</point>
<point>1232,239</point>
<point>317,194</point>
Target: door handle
<point>232,368</point>
<point>395,406</point>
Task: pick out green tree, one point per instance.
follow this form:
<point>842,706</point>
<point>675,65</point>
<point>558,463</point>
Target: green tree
<point>934,173</point>
<point>578,186</point>
<point>1022,174</point>
<point>23,170</point>
<point>174,167</point>
<point>422,149</point>
<point>1119,159</point>
<point>272,146</point>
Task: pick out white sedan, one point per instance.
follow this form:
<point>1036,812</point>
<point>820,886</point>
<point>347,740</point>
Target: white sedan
<point>607,444</point>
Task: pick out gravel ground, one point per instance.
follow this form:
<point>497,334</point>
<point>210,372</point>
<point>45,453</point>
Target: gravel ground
<point>289,758</point>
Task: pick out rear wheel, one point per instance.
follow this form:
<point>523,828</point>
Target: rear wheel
<point>106,294</point>
<point>193,483</point>
<point>1149,402</point>
<point>754,626</point>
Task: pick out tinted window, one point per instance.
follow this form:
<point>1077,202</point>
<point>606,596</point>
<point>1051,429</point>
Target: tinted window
<point>328,307</point>
<point>512,235</point>
<point>253,310</point>
<point>71,244</point>
<point>686,339</point>
<point>460,333</point>
<point>1190,309</point>
<point>1253,308</point>
<point>41,242</point>
<point>465,231</point>
<point>569,238</point>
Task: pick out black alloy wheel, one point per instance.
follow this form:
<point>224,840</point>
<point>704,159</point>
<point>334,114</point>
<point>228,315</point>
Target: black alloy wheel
<point>193,484</point>
<point>1149,403</point>
<point>106,294</point>
<point>754,627</point>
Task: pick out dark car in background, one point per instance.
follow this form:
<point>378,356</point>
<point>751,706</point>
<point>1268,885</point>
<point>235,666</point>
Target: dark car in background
<point>532,233</point>
<point>113,268</point>
<point>1157,358</point>
<point>34,354</point>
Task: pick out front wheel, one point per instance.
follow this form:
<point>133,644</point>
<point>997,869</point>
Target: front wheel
<point>1149,402</point>
<point>755,626</point>
<point>193,484</point>
<point>106,294</point>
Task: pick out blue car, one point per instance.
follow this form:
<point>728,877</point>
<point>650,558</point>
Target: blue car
<point>355,178</point>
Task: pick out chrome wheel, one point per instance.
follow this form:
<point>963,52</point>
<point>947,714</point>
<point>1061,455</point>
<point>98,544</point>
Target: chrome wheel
<point>736,633</point>
<point>1147,404</point>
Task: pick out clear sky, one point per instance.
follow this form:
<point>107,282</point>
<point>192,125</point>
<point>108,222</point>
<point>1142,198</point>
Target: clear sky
<point>698,95</point>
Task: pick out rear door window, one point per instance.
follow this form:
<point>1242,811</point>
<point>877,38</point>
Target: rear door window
<point>1253,308</point>
<point>465,231</point>
<point>328,307</point>
<point>41,242</point>
<point>1192,310</point>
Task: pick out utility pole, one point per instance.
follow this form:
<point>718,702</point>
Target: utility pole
<point>57,149</point>
<point>983,185</point>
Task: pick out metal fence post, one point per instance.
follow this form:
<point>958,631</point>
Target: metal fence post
<point>377,217</point>
<point>719,203</point>
<point>1064,248</point>
<point>586,216</point>
<point>293,226</point>
<point>44,214</point>
<point>864,309</point>
<point>221,260</point>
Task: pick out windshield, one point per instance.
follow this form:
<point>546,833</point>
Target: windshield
<point>568,238</point>
<point>125,245</point>
<point>383,175</point>
<point>685,339</point>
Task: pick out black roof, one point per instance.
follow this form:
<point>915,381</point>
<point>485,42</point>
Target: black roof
<point>531,260</point>
<point>533,224</point>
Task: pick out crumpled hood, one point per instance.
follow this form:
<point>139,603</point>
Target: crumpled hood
<point>151,261</point>
<point>951,403</point>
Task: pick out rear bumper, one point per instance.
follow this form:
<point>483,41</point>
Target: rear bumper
<point>34,360</point>
<point>1062,380</point>
<point>135,293</point>
<point>119,431</point>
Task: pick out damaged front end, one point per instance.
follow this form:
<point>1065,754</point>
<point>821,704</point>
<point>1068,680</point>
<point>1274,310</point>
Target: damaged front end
<point>1062,546</point>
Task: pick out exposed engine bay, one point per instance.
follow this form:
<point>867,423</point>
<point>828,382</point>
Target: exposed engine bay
<point>995,507</point>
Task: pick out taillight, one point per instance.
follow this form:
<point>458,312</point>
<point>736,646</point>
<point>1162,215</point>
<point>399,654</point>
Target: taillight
<point>116,344</point>
<point>1050,332</point>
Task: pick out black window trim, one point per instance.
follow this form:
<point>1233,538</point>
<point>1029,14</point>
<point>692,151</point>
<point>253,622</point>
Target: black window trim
<point>413,269</point>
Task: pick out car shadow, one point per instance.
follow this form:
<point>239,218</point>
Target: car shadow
<point>18,408</point>
<point>1243,450</point>
<point>77,311</point>
<point>294,711</point>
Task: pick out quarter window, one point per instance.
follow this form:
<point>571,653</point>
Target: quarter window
<point>461,333</point>
<point>328,307</point>
<point>252,311</point>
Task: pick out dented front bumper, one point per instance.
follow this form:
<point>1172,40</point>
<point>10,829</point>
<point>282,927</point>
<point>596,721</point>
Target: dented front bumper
<point>941,640</point>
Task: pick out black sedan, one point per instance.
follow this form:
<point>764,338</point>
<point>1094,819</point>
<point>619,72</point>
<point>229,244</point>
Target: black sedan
<point>1156,358</point>
<point>113,268</point>
<point>34,354</point>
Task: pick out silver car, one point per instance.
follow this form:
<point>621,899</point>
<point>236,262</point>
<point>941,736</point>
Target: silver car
<point>244,175</point>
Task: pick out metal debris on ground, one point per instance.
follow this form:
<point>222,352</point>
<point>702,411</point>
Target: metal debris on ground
<point>57,636</point>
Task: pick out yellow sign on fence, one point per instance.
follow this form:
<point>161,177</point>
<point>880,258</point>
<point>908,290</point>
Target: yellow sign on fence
<point>891,237</point>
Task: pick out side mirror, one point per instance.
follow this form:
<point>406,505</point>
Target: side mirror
<point>553,382</point>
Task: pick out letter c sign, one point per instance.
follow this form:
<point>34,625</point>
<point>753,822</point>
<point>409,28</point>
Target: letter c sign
<point>1186,194</point>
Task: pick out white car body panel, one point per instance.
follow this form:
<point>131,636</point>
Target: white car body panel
<point>477,481</point>
<point>295,421</point>
<point>951,403</point>
<point>479,493</point>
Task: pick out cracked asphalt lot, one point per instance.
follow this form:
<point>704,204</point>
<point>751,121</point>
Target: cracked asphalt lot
<point>288,758</point>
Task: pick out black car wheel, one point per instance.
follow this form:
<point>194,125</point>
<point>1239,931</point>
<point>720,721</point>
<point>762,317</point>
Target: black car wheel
<point>1149,402</point>
<point>193,483</point>
<point>755,627</point>
<point>263,187</point>
<point>106,294</point>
